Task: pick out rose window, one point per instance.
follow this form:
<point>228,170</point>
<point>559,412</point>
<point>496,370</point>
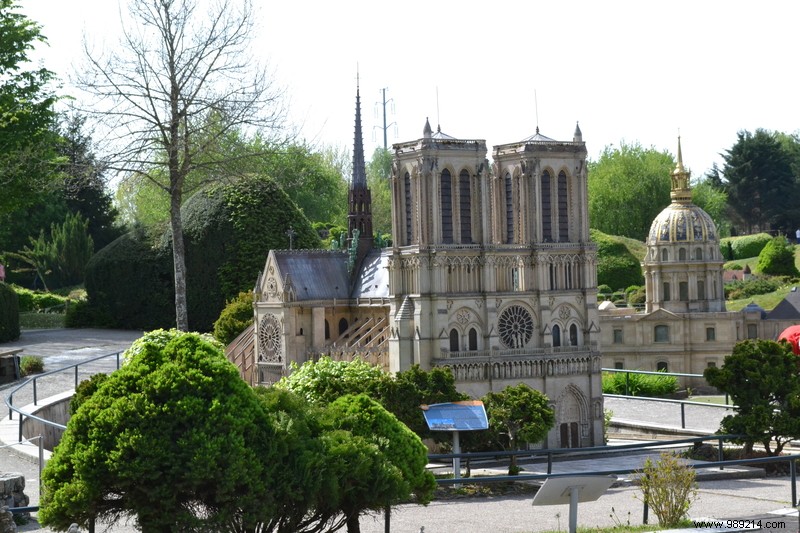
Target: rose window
<point>269,339</point>
<point>515,326</point>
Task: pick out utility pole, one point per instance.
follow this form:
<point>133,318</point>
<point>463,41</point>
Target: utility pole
<point>385,125</point>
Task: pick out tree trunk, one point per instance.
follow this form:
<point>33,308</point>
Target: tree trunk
<point>353,524</point>
<point>178,262</point>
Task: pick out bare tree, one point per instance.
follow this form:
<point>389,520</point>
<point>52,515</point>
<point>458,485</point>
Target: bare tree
<point>181,81</point>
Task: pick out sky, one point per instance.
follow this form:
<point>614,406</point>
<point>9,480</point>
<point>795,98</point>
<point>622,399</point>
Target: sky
<point>627,71</point>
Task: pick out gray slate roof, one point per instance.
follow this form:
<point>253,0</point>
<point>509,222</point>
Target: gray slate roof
<point>788,308</point>
<point>322,274</point>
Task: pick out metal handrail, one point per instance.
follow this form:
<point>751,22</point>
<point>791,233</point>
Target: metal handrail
<point>9,399</point>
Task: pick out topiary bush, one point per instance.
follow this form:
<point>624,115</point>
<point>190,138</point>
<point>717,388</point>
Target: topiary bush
<point>235,318</point>
<point>9,314</point>
<point>777,258</point>
<point>617,267</point>
<point>743,247</point>
<point>736,290</point>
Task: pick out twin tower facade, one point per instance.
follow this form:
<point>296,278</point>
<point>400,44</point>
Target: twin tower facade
<point>490,273</point>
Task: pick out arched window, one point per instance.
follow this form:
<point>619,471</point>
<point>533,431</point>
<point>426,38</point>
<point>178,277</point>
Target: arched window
<point>573,335</point>
<point>682,254</point>
<point>473,339</point>
<point>701,289</point>
<point>342,326</point>
<point>563,208</point>
<point>453,340</point>
<point>547,231</point>
<point>446,207</point>
<point>664,255</point>
<point>407,191</point>
<point>698,254</point>
<point>556,336</point>
<point>662,366</point>
<point>465,207</point>
<point>509,196</point>
<point>661,333</point>
<point>327,330</point>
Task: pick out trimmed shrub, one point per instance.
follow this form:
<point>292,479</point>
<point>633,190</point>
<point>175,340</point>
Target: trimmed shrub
<point>777,258</point>
<point>639,384</point>
<point>743,247</point>
<point>617,267</point>
<point>736,290</point>
<point>235,318</point>
<point>9,314</point>
<point>84,391</point>
<point>31,364</point>
<point>669,488</point>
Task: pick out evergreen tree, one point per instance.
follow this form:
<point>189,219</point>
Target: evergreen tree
<point>760,183</point>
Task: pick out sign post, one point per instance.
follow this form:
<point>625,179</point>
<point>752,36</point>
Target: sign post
<point>468,415</point>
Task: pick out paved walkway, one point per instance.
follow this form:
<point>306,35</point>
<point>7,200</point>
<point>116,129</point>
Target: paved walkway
<point>767,499</point>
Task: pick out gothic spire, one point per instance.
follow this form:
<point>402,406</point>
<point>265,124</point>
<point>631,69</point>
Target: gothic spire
<point>359,168</point>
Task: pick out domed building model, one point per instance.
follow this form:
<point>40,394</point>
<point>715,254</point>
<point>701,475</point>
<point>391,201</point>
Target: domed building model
<point>684,326</point>
<point>683,265</point>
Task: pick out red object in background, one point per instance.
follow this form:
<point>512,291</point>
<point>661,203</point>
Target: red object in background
<point>792,336</point>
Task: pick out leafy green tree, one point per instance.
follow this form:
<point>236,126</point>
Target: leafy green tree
<point>321,382</point>
<point>182,78</point>
<point>520,415</point>
<point>714,201</point>
<point>628,187</point>
<point>761,378</point>
<point>60,258</point>
<point>777,258</point>
<point>84,187</point>
<point>27,141</point>
<point>385,475</point>
<point>174,438</point>
<point>379,172</point>
<point>759,181</point>
<point>414,387</point>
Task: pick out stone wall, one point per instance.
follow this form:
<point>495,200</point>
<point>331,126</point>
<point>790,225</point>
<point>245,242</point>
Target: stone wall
<point>12,487</point>
<point>55,410</point>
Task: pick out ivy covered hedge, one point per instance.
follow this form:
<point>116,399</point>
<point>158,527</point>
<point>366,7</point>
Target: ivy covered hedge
<point>617,267</point>
<point>228,231</point>
<point>9,314</point>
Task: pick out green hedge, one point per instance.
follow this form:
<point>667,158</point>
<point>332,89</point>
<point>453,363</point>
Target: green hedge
<point>639,384</point>
<point>9,314</point>
<point>36,300</point>
<point>228,232</point>
<point>743,247</point>
<point>617,267</point>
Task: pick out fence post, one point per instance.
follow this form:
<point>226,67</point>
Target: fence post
<point>683,415</point>
<point>793,471</point>
<point>34,392</point>
<point>387,519</point>
<point>76,377</point>
<point>627,375</point>
<point>720,454</point>
<point>646,510</point>
<point>549,463</point>
<point>10,403</point>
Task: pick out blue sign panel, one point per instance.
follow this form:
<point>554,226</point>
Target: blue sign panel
<point>456,416</point>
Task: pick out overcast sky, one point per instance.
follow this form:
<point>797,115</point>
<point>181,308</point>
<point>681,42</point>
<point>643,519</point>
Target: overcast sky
<point>633,71</point>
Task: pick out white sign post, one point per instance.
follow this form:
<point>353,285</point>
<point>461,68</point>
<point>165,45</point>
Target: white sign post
<point>571,490</point>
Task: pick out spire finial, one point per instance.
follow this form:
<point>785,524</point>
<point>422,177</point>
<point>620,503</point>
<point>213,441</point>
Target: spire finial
<point>681,190</point>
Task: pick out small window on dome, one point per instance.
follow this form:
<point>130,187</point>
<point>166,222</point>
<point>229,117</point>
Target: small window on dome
<point>698,254</point>
<point>664,255</point>
<point>682,254</point>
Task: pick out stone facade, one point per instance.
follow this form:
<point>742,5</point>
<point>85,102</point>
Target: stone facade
<point>491,274</point>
